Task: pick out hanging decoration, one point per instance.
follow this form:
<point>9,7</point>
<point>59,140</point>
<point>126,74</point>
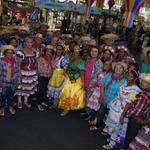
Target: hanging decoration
<point>111,4</point>
<point>88,6</point>
<point>100,3</point>
<point>132,6</point>
<point>139,6</point>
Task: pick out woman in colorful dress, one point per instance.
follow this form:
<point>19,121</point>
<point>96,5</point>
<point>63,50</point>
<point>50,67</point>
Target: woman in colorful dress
<point>73,95</point>
<point>44,73</point>
<point>57,80</point>
<point>94,67</point>
<point>27,59</point>
<point>9,79</point>
<point>110,88</point>
<point>93,102</point>
<point>126,95</point>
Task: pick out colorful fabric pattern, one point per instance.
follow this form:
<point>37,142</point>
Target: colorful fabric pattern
<point>112,91</point>
<point>94,99</point>
<point>113,127</point>
<point>57,79</point>
<point>73,95</point>
<point>142,140</point>
<point>141,106</point>
<point>29,78</point>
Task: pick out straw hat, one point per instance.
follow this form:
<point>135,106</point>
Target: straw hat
<point>24,28</point>
<point>39,35</point>
<point>109,36</point>
<point>68,36</point>
<point>145,77</point>
<point>7,47</point>
<point>119,63</point>
<point>92,42</point>
<point>49,47</point>
<point>85,38</point>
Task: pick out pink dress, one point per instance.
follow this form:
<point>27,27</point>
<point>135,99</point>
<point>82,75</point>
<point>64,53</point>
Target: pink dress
<point>88,72</point>
<point>94,100</point>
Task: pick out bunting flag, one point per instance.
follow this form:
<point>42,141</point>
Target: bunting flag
<point>131,7</point>
<point>88,6</point>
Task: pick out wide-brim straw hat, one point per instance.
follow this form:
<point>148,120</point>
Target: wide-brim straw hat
<point>24,28</point>
<point>49,47</point>
<point>68,36</point>
<point>39,35</point>
<point>110,36</point>
<point>85,38</point>
<point>145,77</point>
<point>92,42</point>
<point>119,63</point>
<point>7,47</point>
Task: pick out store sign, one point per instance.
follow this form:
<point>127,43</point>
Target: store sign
<point>66,6</point>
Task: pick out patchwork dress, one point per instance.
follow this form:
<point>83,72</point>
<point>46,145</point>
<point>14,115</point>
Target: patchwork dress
<point>126,94</point>
<point>28,72</point>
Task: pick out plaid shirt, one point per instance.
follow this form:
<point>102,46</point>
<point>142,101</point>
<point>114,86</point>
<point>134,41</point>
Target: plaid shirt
<point>4,83</point>
<point>141,106</point>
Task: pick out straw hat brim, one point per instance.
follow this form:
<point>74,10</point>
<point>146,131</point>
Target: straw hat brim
<point>145,77</point>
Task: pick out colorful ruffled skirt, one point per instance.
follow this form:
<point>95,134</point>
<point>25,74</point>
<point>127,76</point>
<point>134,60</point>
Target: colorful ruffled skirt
<point>56,84</point>
<point>72,96</point>
<point>28,84</point>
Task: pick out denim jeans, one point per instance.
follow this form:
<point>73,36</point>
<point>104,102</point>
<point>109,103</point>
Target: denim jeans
<point>6,99</point>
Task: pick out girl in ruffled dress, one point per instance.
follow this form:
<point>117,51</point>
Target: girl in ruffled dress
<point>94,99</point>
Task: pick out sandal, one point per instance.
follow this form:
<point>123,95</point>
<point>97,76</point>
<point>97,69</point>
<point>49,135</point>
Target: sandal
<point>44,104</point>
<point>104,133</point>
<point>27,105</point>
<point>64,113</point>
<point>93,128</point>
<point>19,105</point>
<point>108,146</point>
<point>2,113</point>
<point>40,108</point>
<point>12,111</point>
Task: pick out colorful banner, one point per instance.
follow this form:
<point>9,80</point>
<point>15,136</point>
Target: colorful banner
<point>131,7</point>
<point>100,3</point>
<point>66,6</point>
<point>88,6</point>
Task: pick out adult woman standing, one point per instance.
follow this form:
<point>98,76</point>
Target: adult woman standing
<point>44,73</point>
<point>59,63</point>
<point>126,95</point>
<point>28,72</point>
<point>9,79</point>
<point>72,95</point>
<point>93,68</point>
<point>110,88</point>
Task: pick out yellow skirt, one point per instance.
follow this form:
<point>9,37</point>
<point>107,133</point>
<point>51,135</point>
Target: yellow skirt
<point>57,78</point>
<point>72,96</point>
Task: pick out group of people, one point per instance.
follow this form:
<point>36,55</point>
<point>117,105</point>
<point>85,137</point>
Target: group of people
<point>71,72</point>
